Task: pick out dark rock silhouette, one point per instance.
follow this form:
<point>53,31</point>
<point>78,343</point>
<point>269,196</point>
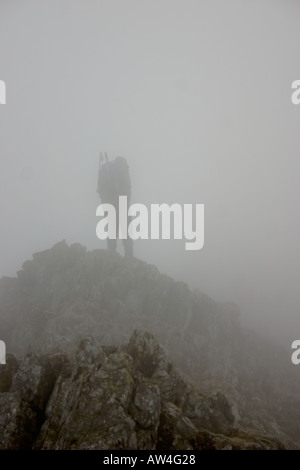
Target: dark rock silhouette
<point>115,398</point>
<point>89,374</point>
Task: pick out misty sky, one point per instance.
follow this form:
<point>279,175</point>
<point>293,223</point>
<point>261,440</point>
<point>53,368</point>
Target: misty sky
<point>197,96</point>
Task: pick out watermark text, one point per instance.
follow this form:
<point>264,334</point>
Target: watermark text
<point>296,94</point>
<point>2,353</point>
<point>176,221</point>
<point>2,92</point>
<point>296,354</point>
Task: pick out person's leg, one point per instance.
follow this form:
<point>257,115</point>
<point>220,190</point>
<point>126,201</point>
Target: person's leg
<point>128,243</point>
<point>128,248</point>
<point>112,242</point>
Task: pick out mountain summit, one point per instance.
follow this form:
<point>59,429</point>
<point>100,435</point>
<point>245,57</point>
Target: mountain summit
<point>107,352</point>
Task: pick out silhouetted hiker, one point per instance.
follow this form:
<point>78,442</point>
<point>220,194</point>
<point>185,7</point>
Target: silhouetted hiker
<point>114,181</point>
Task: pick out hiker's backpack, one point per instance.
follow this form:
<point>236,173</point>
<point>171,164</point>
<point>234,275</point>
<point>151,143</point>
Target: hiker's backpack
<point>107,181</point>
<point>113,180</point>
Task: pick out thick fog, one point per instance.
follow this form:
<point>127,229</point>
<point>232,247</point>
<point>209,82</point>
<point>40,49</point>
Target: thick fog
<point>197,96</point>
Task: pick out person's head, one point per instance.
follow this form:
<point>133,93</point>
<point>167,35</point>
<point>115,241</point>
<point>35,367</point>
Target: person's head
<point>121,162</point>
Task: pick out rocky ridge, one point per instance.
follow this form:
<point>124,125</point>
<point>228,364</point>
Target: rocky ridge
<point>66,295</point>
<point>129,397</point>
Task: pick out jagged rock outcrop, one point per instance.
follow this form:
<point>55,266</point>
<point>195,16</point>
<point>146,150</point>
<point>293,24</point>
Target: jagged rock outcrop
<point>115,398</point>
<point>66,294</point>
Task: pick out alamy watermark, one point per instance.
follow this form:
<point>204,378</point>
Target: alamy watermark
<point>2,92</point>
<point>133,222</point>
<point>296,100</point>
<point>296,354</point>
<point>296,94</point>
<point>2,353</point>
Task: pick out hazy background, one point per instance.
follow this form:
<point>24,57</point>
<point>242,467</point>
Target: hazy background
<point>197,96</point>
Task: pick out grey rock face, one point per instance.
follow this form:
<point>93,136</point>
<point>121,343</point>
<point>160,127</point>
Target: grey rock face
<point>18,423</point>
<point>103,400</point>
<point>67,301</point>
<point>7,372</point>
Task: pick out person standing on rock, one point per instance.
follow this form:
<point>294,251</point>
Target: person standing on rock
<point>113,182</point>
